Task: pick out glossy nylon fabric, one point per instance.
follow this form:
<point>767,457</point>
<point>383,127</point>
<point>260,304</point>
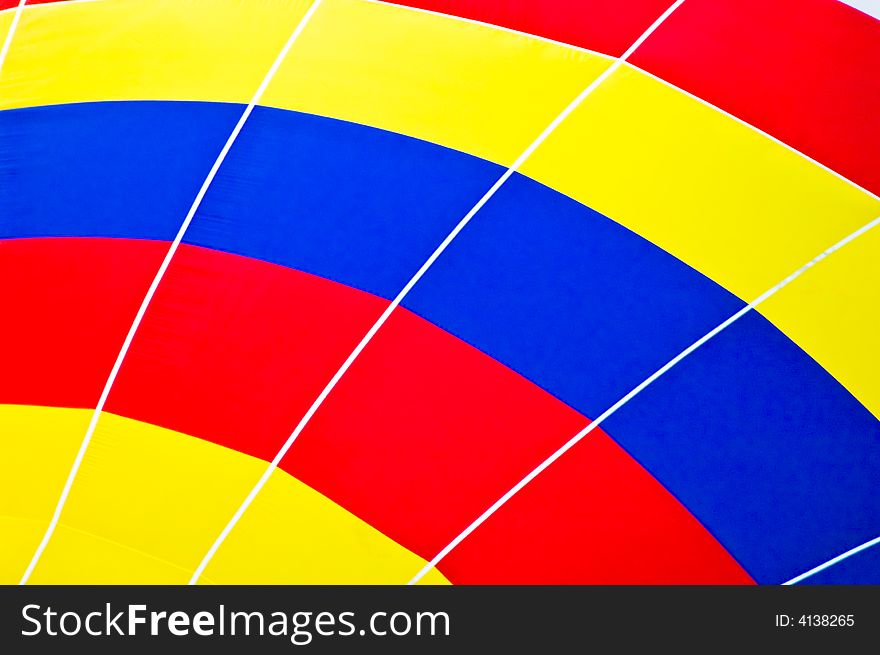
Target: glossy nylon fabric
<point>645,220</point>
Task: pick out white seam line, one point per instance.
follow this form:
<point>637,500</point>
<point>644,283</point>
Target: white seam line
<point>7,42</point>
<point>156,280</point>
<point>833,561</point>
<point>634,392</point>
<point>412,282</point>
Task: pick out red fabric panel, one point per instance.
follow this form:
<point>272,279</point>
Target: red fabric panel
<point>805,71</point>
<point>234,350</point>
<point>608,26</point>
<point>594,517</point>
<point>67,305</point>
<point>421,435</point>
<point>424,433</point>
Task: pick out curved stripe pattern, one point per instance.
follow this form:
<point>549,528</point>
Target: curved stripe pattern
<point>432,464</point>
<point>733,204</point>
<point>476,89</point>
<point>346,451</point>
<point>314,222</point>
<point>278,199</point>
<point>422,433</point>
<point>161,481</point>
<point>351,454</point>
<point>535,264</point>
<point>766,63</point>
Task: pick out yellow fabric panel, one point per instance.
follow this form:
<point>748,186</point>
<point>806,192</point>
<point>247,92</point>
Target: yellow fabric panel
<point>291,534</point>
<point>145,50</point>
<point>833,313</point>
<point>18,541</point>
<point>75,556</point>
<point>738,207</point>
<point>481,90</point>
<point>148,503</point>
<point>38,445</point>
<point>5,22</point>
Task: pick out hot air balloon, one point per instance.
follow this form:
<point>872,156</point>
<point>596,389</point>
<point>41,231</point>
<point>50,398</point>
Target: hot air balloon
<point>439,291</point>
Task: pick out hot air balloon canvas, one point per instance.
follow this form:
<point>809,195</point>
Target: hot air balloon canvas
<point>439,292</point>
